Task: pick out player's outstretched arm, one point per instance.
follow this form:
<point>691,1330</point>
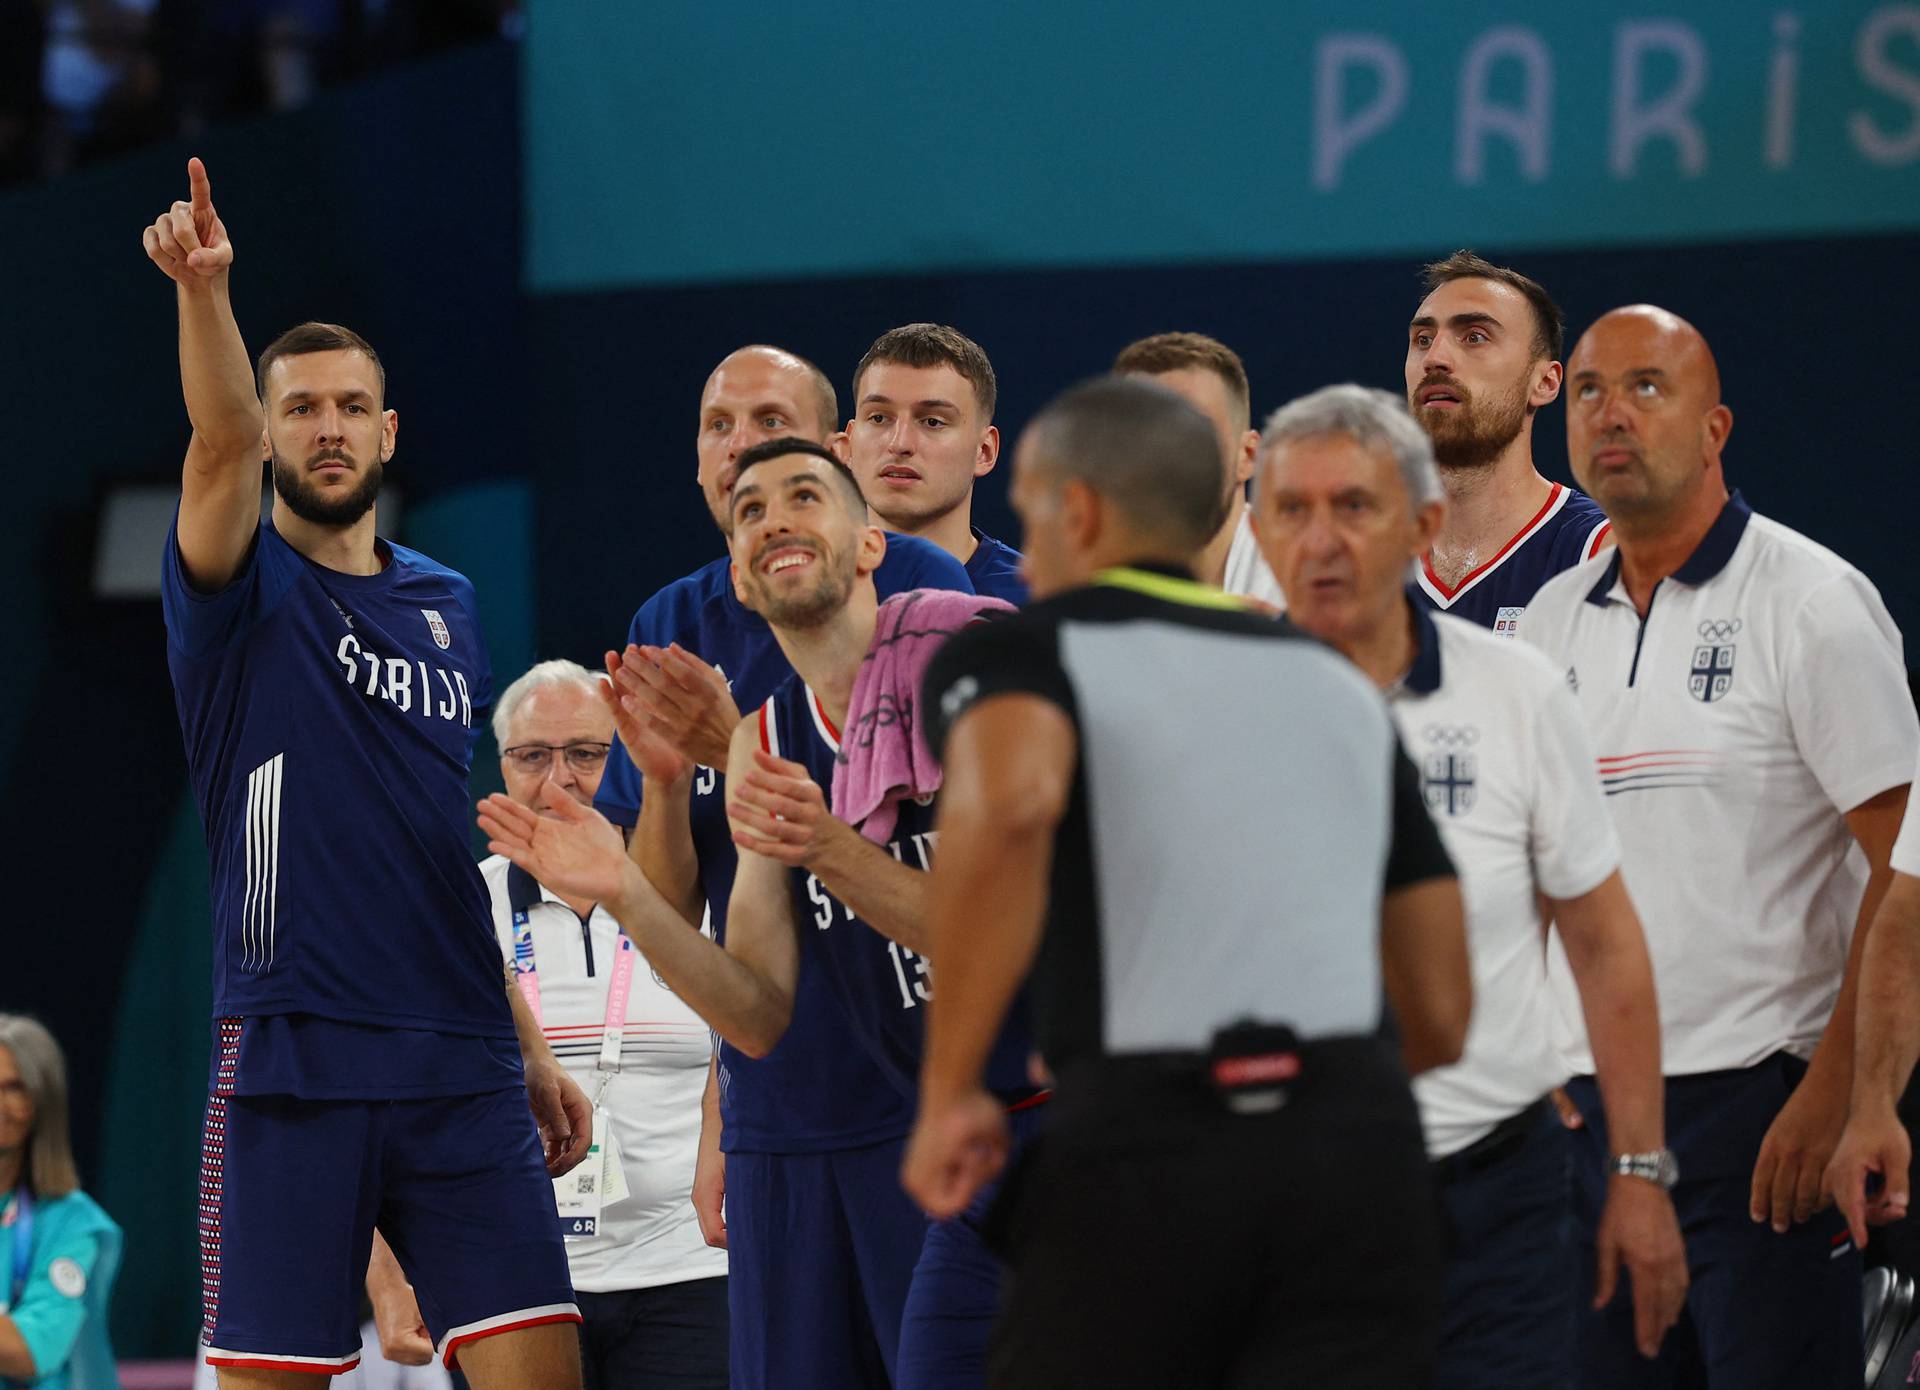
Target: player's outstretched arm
<point>220,483</point>
<point>577,851</point>
<point>1009,764</point>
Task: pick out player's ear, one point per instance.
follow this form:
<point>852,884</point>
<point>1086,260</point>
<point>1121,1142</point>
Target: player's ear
<point>1546,386</point>
<point>389,431</point>
<point>733,574</point>
<point>873,549</point>
<point>840,445</point>
<point>1249,450</point>
<point>1719,426</point>
<point>1081,516</point>
<point>989,452</point>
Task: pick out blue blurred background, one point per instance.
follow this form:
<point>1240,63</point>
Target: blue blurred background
<point>552,218</point>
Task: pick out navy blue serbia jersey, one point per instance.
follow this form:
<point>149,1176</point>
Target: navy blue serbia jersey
<point>882,986</point>
<point>809,1095</point>
<point>1568,528</point>
<point>329,722</point>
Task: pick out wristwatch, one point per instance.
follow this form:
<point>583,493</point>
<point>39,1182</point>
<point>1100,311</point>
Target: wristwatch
<point>1656,1166</point>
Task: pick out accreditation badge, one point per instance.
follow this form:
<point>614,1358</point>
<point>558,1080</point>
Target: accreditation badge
<point>578,1195</point>
<point>599,1181</point>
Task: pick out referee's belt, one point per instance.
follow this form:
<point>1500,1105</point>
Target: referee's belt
<point>1497,1145</point>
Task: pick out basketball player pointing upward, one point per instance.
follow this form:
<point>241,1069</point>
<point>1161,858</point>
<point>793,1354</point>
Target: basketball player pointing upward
<point>368,1057</point>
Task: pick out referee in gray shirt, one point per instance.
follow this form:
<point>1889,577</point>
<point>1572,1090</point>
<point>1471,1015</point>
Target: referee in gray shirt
<point>1196,826</point>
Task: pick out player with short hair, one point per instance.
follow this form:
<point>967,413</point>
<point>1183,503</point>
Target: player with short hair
<point>1213,380</point>
<point>819,1267</point>
<point>1744,692</point>
<point>1347,497</point>
<point>1483,359</point>
<point>370,1063</point>
<point>808,885</point>
<point>922,434</point>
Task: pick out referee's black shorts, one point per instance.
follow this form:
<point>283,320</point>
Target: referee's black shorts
<point>1156,1239</point>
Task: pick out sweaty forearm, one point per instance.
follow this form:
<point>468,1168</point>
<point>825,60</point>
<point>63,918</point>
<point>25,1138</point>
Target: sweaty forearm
<point>662,845</point>
<point>1887,1030</point>
<point>215,374</point>
<point>733,997</point>
<point>881,891</point>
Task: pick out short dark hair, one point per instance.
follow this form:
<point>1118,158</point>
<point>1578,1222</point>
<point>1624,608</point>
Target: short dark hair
<point>1143,447</point>
<point>1176,352</point>
<point>315,337</point>
<point>792,444</point>
<point>1549,324</point>
<point>933,345</point>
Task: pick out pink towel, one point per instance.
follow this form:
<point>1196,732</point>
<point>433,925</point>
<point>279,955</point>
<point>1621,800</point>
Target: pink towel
<point>883,752</point>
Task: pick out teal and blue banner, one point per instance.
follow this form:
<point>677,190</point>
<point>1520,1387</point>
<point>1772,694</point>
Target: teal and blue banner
<point>681,142</point>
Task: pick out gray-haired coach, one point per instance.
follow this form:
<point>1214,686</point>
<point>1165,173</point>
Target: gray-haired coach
<point>1203,826</point>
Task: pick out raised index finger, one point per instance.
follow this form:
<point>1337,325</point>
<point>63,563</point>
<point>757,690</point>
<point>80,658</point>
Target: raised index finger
<point>200,190</point>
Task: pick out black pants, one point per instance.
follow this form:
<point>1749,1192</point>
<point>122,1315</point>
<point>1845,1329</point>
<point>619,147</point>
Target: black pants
<point>672,1335</point>
<point>1156,1239</point>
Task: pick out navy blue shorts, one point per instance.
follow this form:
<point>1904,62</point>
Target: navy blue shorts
<point>1765,1311</point>
<point>291,1191</point>
<point>1508,1323</point>
<point>820,1251</point>
<point>954,1303</point>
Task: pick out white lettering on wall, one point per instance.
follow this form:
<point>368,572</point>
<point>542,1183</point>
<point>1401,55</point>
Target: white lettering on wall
<point>1879,71</point>
<point>1668,116</point>
<point>1783,90</point>
<point>1336,134</point>
<point>1528,127</point>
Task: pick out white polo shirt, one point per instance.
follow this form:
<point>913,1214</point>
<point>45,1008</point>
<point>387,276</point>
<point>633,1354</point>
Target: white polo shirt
<point>1906,849</point>
<point>1247,573</point>
<point>652,1237</point>
<point>1503,766</point>
<point>1763,697</point>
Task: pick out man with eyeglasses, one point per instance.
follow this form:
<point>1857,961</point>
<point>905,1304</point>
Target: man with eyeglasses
<point>652,1293</point>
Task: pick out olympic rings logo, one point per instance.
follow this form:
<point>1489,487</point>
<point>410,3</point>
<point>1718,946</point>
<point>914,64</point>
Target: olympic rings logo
<point>1446,736</point>
<point>1718,629</point>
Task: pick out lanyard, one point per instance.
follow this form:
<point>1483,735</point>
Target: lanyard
<point>22,1244</point>
<point>526,974</point>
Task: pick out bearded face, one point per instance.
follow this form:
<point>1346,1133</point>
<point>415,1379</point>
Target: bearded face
<point>311,493</point>
<point>1469,427</point>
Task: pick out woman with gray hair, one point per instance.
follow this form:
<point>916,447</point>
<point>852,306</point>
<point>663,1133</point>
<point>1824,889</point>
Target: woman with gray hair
<point>62,1250</point>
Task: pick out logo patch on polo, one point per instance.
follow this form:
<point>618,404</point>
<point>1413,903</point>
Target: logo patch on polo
<point>1710,675</point>
<point>1448,771</point>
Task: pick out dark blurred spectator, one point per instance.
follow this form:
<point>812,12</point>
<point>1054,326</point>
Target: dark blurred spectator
<point>98,78</point>
<point>81,79</point>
